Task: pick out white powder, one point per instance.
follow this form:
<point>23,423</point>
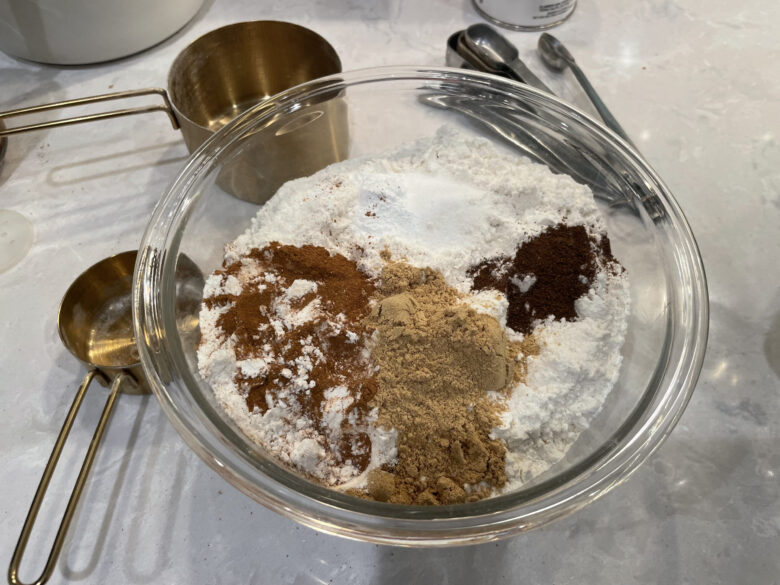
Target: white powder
<point>300,288</point>
<point>567,383</point>
<point>283,429</point>
<point>524,284</point>
<point>448,203</point>
<point>436,203</point>
<point>252,367</point>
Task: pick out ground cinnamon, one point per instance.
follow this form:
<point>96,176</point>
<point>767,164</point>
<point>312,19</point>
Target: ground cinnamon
<point>342,297</point>
<point>433,363</point>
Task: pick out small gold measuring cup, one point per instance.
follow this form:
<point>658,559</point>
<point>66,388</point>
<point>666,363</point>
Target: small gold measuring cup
<point>95,324</point>
<point>3,144</point>
<point>224,73</point>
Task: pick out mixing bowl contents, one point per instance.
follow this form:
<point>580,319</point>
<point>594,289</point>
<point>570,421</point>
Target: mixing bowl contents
<point>434,326</point>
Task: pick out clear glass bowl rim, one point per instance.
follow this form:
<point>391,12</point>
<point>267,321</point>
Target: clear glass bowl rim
<point>335,513</point>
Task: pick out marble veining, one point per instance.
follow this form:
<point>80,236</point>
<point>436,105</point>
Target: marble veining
<point>694,82</point>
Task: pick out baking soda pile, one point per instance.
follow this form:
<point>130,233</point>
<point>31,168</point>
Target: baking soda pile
<point>287,345</point>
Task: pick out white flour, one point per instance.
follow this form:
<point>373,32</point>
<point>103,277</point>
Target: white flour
<point>283,428</point>
<point>567,382</point>
<point>436,203</point>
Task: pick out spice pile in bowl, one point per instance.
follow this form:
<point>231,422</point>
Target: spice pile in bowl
<point>420,327</point>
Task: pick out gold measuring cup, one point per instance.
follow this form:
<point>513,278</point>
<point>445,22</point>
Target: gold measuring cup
<point>224,73</point>
<point>3,143</point>
<point>95,324</point>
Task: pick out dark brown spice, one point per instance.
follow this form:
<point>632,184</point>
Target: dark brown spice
<point>563,260</point>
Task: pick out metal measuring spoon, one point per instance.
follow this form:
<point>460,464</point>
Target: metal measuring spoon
<point>452,58</point>
<point>95,325</point>
<point>557,57</point>
<point>496,50</point>
<point>539,146</point>
<point>458,49</point>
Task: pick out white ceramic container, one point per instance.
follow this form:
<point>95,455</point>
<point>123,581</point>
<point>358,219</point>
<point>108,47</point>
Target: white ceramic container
<point>77,32</point>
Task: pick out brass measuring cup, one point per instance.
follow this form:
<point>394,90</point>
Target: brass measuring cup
<point>95,324</point>
<point>3,143</point>
<point>222,74</point>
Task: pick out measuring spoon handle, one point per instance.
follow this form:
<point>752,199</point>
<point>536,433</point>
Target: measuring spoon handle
<point>21,545</point>
<point>609,120</point>
<point>522,73</point>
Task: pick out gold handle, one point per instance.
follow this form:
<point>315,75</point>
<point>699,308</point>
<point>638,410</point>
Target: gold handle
<point>166,107</point>
<point>13,569</point>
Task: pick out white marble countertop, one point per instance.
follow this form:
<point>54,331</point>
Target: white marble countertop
<point>696,83</point>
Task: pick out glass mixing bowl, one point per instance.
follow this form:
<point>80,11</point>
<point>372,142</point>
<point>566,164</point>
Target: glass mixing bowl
<point>370,112</point>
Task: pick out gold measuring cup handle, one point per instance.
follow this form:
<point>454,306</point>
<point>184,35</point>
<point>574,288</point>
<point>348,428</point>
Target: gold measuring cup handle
<point>21,545</point>
<point>165,107</point>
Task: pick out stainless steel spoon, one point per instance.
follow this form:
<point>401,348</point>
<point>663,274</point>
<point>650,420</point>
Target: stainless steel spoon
<point>557,57</point>
<point>473,59</point>
<point>496,50</point>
